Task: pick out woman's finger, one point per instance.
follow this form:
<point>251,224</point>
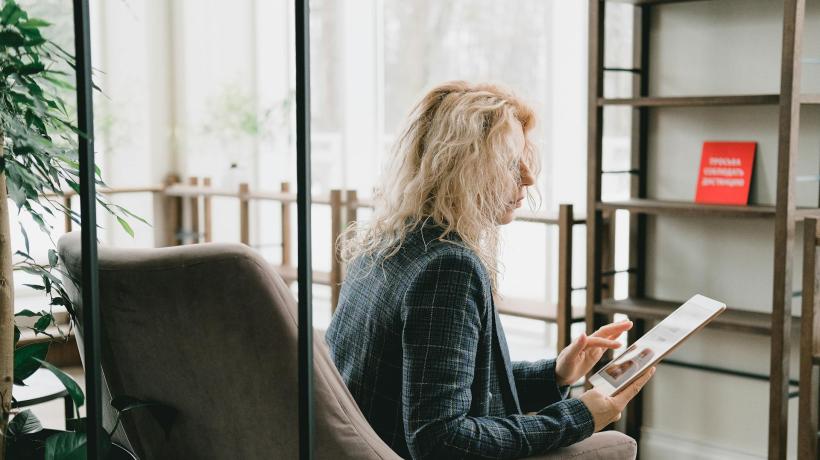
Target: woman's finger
<point>577,345</point>
<point>599,342</point>
<point>613,330</point>
<point>621,399</point>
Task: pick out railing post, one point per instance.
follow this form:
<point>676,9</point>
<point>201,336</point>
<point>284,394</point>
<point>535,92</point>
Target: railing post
<point>194,204</point>
<point>244,214</point>
<point>168,211</point>
<point>67,205</point>
<point>286,239</point>
<point>206,211</point>
<point>335,231</point>
<point>351,215</point>
<point>564,307</point>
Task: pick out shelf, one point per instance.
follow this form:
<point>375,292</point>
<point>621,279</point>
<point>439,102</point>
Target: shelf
<point>705,101</point>
<point>684,208</point>
<point>534,309</point>
<point>694,101</point>
<point>653,309</point>
<point>653,2</point>
<point>810,99</point>
<point>815,348</point>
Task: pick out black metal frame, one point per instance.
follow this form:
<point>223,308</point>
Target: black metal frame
<point>90,264</point>
<point>304,269</point>
<point>88,212</point>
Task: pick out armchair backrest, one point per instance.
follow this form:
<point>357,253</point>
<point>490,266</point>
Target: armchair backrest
<point>210,330</point>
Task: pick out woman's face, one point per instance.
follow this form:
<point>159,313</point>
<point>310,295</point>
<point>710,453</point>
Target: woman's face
<point>526,179</point>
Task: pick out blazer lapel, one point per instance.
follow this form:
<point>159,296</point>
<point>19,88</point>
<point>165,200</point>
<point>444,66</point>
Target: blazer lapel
<point>501,344</point>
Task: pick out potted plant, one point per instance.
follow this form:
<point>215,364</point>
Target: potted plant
<point>38,158</point>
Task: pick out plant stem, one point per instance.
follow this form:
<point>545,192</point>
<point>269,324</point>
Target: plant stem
<point>6,312</point>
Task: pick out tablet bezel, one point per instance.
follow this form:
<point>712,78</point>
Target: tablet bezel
<point>600,384</point>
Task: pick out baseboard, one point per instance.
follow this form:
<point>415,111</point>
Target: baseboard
<point>659,445</point>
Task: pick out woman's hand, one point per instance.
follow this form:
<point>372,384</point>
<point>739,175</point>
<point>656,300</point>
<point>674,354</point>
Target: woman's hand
<point>578,358</point>
<point>607,409</point>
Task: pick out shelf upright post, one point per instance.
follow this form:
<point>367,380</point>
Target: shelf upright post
<point>809,376</point>
<point>793,15</point>
<point>638,189</point>
<point>563,310</point>
<point>595,92</point>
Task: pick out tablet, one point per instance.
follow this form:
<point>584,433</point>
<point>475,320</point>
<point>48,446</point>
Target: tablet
<point>655,344</point>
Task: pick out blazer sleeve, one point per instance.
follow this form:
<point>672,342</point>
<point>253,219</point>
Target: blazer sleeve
<point>442,322</point>
<point>536,384</point>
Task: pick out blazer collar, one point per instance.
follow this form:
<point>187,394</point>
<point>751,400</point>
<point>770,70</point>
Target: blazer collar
<point>503,349</point>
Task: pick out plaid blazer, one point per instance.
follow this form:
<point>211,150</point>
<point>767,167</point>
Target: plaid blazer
<point>418,342</point>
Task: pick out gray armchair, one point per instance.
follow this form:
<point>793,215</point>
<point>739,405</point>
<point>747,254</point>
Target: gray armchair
<point>210,330</point>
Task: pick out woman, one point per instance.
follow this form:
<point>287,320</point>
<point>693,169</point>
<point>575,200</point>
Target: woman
<point>416,336</point>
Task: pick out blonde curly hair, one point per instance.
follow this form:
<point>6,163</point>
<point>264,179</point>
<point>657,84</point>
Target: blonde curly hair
<point>457,163</point>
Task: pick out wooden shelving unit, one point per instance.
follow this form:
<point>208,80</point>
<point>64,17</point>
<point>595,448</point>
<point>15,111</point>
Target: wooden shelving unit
<point>652,2</point>
<point>778,323</point>
<point>682,208</point>
<point>733,319</point>
<point>694,101</point>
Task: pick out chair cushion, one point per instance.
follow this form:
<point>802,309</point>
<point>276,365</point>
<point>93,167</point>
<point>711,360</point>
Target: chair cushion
<point>607,445</point>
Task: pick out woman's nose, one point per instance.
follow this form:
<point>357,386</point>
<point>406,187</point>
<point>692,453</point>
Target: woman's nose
<point>527,178</point>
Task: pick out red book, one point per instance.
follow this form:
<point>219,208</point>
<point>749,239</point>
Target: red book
<point>725,172</point>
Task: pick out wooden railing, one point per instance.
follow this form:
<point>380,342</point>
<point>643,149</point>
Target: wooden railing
<point>175,227</point>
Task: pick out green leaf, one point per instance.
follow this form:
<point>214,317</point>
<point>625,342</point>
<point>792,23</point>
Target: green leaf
<point>16,193</point>
<point>8,9</point>
<point>26,360</point>
<point>33,23</point>
<point>11,38</point>
<point>40,222</point>
<point>35,286</point>
<point>43,323</point>
<point>125,226</point>
<point>11,13</point>
<point>73,389</point>
<point>16,336</point>
<point>74,186</point>
<point>126,403</point>
<point>66,446</point>
<point>24,423</point>
<point>27,313</point>
<point>58,301</point>
<point>25,238</point>
<point>35,41</point>
<point>30,69</point>
<point>59,83</point>
<point>52,257</point>
<point>30,32</point>
<point>163,413</point>
<point>131,214</point>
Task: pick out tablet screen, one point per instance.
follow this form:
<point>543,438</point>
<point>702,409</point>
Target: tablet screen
<point>658,342</point>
